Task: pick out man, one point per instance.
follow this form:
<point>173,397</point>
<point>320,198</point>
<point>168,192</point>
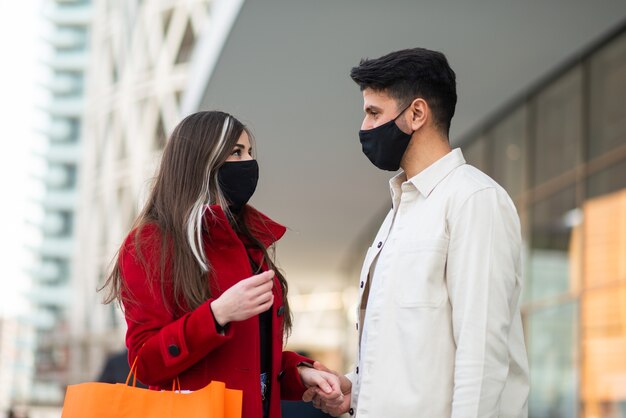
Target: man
<point>440,332</point>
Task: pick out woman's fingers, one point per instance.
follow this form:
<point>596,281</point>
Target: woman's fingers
<point>259,279</point>
<point>261,298</point>
<point>327,383</point>
<point>323,385</point>
<point>247,298</point>
<point>259,304</point>
<point>332,378</point>
<point>333,383</point>
<point>264,306</point>
<point>259,284</point>
<point>260,291</point>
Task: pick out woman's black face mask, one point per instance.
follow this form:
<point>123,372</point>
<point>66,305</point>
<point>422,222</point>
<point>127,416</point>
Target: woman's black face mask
<point>238,180</point>
<point>385,145</point>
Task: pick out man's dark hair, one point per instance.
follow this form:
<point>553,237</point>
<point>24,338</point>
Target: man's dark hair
<point>411,73</point>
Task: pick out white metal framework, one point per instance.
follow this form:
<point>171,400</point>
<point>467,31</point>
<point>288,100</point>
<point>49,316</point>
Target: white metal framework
<point>137,73</point>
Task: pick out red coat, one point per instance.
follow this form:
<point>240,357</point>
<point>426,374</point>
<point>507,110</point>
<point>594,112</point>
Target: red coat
<point>186,344</point>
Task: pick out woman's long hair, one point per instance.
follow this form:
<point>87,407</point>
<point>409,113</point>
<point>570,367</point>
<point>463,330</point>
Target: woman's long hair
<point>185,186</point>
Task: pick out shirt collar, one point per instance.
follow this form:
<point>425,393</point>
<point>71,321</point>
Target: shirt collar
<point>426,181</point>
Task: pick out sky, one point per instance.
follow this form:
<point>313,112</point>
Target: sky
<point>19,40</point>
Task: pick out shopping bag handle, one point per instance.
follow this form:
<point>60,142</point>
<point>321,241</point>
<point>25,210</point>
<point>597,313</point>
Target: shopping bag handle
<point>133,372</point>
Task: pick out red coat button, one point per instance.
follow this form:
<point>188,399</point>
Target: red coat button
<point>173,350</point>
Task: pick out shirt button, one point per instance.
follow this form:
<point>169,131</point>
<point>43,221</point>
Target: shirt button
<point>351,411</point>
<point>357,326</point>
<point>357,370</point>
<point>362,284</point>
<point>380,244</point>
<point>173,350</point>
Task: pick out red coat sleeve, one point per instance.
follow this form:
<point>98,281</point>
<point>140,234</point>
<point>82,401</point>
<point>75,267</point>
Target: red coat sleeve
<point>291,386</point>
<point>163,345</point>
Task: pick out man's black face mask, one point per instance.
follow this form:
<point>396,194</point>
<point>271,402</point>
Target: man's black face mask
<point>385,145</point>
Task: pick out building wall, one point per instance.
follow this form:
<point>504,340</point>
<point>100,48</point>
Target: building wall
<point>560,151</point>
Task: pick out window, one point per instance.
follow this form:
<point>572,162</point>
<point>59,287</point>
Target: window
<point>508,139</point>
<point>475,153</point>
<point>552,226</point>
<point>552,335</point>
<point>558,127</point>
<point>609,180</point>
<point>608,99</point>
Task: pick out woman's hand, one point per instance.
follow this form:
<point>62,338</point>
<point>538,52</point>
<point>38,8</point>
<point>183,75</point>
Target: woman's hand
<point>333,405</point>
<point>323,380</point>
<point>244,300</point>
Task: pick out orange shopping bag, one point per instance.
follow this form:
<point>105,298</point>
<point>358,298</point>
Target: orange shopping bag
<point>105,400</point>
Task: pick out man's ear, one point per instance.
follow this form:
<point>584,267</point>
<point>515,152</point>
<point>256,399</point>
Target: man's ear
<point>420,113</point>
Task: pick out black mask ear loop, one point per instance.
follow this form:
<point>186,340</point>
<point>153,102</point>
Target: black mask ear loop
<point>402,111</point>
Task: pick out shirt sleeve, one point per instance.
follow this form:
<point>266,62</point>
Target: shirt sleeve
<point>483,277</point>
<point>352,378</point>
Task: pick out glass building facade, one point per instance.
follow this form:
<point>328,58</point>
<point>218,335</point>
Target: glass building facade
<point>66,36</point>
<point>560,152</point>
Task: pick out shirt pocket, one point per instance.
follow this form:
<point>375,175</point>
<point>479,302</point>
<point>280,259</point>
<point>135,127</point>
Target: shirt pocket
<point>420,273</point>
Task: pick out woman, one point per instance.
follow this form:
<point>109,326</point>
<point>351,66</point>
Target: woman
<point>202,297</point>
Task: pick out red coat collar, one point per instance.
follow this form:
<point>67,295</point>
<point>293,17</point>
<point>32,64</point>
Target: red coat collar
<point>264,228</point>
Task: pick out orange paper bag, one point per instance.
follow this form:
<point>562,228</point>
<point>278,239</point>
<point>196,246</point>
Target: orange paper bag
<point>105,400</point>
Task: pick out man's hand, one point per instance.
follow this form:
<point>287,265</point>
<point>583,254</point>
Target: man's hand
<point>333,405</point>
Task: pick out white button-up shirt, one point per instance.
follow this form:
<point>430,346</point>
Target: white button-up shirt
<point>441,329</point>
